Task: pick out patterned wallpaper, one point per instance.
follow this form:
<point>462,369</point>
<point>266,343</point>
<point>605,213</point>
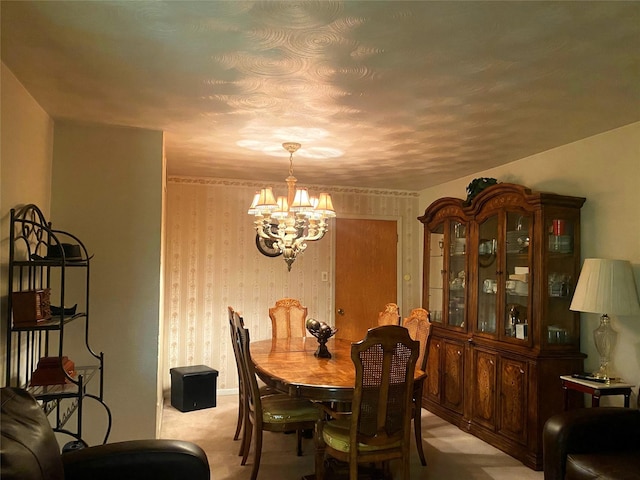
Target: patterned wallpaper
<point>212,263</point>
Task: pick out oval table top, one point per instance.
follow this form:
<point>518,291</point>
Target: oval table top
<point>289,364</point>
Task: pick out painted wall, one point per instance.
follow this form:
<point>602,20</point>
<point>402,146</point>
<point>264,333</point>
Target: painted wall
<point>107,190</point>
<point>213,263</point>
<point>26,145</point>
<point>605,169</point>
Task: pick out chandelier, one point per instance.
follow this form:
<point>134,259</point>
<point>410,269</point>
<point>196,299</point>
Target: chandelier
<point>292,221</point>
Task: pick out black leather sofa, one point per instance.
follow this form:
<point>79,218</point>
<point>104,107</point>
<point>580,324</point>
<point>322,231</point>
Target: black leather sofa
<point>29,451</point>
<point>592,443</point>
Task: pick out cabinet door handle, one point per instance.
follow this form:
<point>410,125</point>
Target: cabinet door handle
<point>490,362</point>
<point>340,311</point>
<point>522,371</point>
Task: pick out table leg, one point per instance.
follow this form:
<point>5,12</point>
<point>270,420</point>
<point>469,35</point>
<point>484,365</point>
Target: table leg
<point>626,399</point>
<point>595,398</point>
<point>566,396</point>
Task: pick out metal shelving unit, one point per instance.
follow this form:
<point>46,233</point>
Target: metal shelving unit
<point>39,261</point>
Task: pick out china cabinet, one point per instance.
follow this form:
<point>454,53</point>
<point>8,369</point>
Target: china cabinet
<point>498,277</point>
<point>48,270</point>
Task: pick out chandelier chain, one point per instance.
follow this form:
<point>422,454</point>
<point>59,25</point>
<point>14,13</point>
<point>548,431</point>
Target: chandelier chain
<point>291,164</point>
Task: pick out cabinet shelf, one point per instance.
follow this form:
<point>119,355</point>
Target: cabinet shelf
<point>66,390</point>
<point>50,263</point>
<point>50,324</point>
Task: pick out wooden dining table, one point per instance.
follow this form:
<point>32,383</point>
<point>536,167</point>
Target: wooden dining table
<point>290,366</point>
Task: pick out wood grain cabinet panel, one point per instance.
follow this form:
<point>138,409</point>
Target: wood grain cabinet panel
<point>484,376</point>
<point>432,389</point>
<point>513,399</point>
<point>453,371</point>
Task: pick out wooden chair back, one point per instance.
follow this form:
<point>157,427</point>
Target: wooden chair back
<point>252,391</point>
<point>382,403</point>
<point>419,327</point>
<point>288,319</point>
<point>390,315</point>
<point>236,353</point>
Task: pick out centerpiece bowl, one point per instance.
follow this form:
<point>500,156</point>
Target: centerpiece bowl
<point>322,332</point>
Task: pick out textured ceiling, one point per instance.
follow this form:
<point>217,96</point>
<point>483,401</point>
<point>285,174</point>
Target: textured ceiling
<point>381,94</point>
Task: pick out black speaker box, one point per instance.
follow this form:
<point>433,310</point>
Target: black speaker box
<point>193,388</point>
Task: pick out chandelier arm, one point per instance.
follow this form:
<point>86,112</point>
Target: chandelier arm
<point>263,227</point>
<point>316,230</point>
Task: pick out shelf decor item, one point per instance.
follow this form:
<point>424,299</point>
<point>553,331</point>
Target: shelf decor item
<point>477,185</point>
<point>51,371</point>
<point>605,286</point>
<point>323,333</point>
<point>31,306</point>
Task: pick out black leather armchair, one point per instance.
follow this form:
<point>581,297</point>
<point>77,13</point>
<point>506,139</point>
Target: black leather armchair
<point>30,451</point>
<point>592,443</point>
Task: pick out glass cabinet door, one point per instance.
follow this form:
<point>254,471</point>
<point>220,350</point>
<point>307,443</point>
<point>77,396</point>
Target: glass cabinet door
<point>560,329</point>
<point>436,273</point>
<point>516,276</point>
<point>487,275</point>
<point>456,274</point>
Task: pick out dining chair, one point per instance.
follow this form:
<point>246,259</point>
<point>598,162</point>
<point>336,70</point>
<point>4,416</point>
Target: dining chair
<point>242,398</point>
<point>419,327</point>
<point>390,315</point>
<point>273,413</point>
<point>378,427</point>
<point>233,334</point>
<point>288,318</point>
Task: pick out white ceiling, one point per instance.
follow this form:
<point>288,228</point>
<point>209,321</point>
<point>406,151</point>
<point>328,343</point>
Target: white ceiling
<point>381,94</point>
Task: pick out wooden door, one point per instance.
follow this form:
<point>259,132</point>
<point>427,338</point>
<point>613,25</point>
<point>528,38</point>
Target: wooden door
<point>366,273</point>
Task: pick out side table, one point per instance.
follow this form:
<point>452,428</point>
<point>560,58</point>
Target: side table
<point>595,389</point>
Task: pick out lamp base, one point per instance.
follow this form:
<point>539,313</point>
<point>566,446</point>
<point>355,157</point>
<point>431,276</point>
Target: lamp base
<point>605,339</point>
<point>602,375</point>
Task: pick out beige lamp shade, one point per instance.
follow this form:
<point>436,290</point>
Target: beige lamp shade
<point>266,201</point>
<point>283,208</point>
<point>325,205</point>
<point>301,202</point>
<point>606,287</point>
<point>254,203</point>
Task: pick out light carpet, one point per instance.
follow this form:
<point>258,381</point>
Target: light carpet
<point>451,453</point>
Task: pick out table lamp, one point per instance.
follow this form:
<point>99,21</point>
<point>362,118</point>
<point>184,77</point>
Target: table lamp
<point>605,287</point>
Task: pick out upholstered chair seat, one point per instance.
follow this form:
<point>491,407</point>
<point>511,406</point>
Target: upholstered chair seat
<point>282,408</point>
<point>337,436</point>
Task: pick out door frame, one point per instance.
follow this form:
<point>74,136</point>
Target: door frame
<point>399,251</point>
